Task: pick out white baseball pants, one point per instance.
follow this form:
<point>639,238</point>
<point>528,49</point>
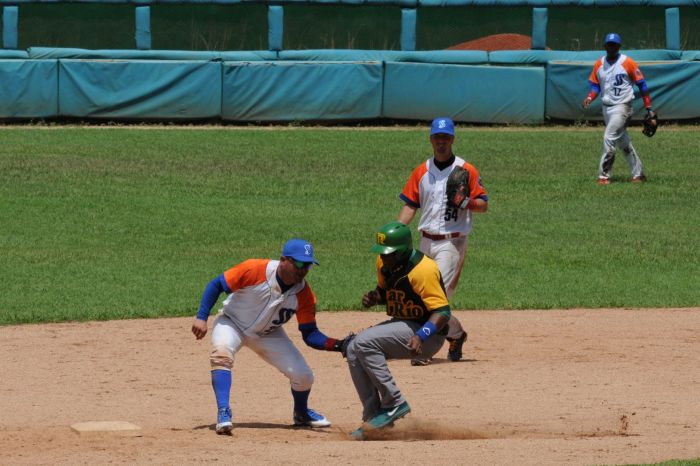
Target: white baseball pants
<point>616,119</point>
<point>449,255</point>
<point>274,348</point>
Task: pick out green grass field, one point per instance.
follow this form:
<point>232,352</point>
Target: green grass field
<point>695,462</point>
<point>105,223</point>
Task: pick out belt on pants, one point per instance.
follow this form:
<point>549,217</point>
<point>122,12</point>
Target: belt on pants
<point>440,237</point>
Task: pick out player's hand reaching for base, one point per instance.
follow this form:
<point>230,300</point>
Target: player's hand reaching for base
<point>199,328</point>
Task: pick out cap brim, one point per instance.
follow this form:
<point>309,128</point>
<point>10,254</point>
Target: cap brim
<point>379,249</point>
<point>305,260</point>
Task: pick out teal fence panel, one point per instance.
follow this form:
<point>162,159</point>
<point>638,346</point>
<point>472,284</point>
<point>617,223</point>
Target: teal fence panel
<point>10,20</point>
<point>53,53</point>
<point>28,89</point>
<point>288,91</point>
<point>477,94</point>
<point>171,90</point>
<point>674,87</point>
<point>541,57</point>
<point>471,57</point>
<point>4,54</point>
<point>690,55</point>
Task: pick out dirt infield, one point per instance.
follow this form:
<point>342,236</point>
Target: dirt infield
<point>536,387</point>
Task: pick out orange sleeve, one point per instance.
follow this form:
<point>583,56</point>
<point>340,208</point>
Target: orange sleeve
<point>476,189</point>
<point>306,306</point>
<point>411,191</point>
<point>594,74</point>
<point>633,70</point>
<point>247,273</point>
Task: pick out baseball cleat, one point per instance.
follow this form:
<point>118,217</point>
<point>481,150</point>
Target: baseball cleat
<point>421,361</point>
<point>639,179</point>
<point>358,434</point>
<point>386,417</point>
<point>454,352</point>
<point>310,419</point>
<point>224,425</point>
<point>603,181</point>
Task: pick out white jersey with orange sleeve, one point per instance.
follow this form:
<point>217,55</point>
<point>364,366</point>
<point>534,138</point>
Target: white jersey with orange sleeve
<point>616,79</point>
<point>257,305</point>
<point>426,189</point>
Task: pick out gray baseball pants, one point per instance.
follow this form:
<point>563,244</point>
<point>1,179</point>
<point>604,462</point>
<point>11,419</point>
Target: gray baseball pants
<point>616,119</point>
<point>367,357</point>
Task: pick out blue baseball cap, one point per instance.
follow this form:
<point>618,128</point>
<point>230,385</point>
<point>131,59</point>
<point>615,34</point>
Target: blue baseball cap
<point>614,38</point>
<point>442,125</point>
<point>299,250</point>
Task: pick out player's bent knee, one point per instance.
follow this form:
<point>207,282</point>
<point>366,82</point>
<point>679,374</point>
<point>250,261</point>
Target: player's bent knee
<point>221,358</point>
<point>301,381</point>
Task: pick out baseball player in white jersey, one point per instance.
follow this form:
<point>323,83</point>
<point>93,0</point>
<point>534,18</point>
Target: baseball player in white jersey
<point>444,229</point>
<point>263,294</point>
<point>613,77</point>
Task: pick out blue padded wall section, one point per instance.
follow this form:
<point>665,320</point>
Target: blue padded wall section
<point>285,91</point>
<point>28,89</point>
<point>541,57</point>
<point>675,90</point>
<point>408,29</point>
<point>539,28</point>
<point>473,57</point>
<point>139,89</point>
<point>478,94</point>
<point>673,28</point>
<point>179,55</point>
<point>4,54</point>
<point>143,27</point>
<point>10,19</point>
<point>275,27</point>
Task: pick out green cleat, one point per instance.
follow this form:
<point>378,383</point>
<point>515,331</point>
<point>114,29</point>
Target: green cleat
<point>386,417</point>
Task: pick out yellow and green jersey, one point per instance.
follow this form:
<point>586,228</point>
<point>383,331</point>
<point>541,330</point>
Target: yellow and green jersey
<point>414,290</point>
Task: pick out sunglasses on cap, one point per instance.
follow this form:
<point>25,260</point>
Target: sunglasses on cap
<point>301,265</point>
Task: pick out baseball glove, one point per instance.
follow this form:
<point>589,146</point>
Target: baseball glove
<point>458,188</point>
<point>651,123</point>
<point>342,345</point>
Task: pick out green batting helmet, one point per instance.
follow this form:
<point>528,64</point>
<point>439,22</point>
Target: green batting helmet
<point>393,237</point>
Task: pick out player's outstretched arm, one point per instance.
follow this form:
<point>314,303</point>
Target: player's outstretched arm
<point>316,339</point>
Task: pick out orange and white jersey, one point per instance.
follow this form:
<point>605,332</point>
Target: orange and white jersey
<point>257,305</point>
<point>616,79</point>
<point>426,189</point>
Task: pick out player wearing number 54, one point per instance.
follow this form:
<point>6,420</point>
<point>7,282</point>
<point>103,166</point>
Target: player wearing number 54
<point>446,217</point>
<point>263,294</point>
